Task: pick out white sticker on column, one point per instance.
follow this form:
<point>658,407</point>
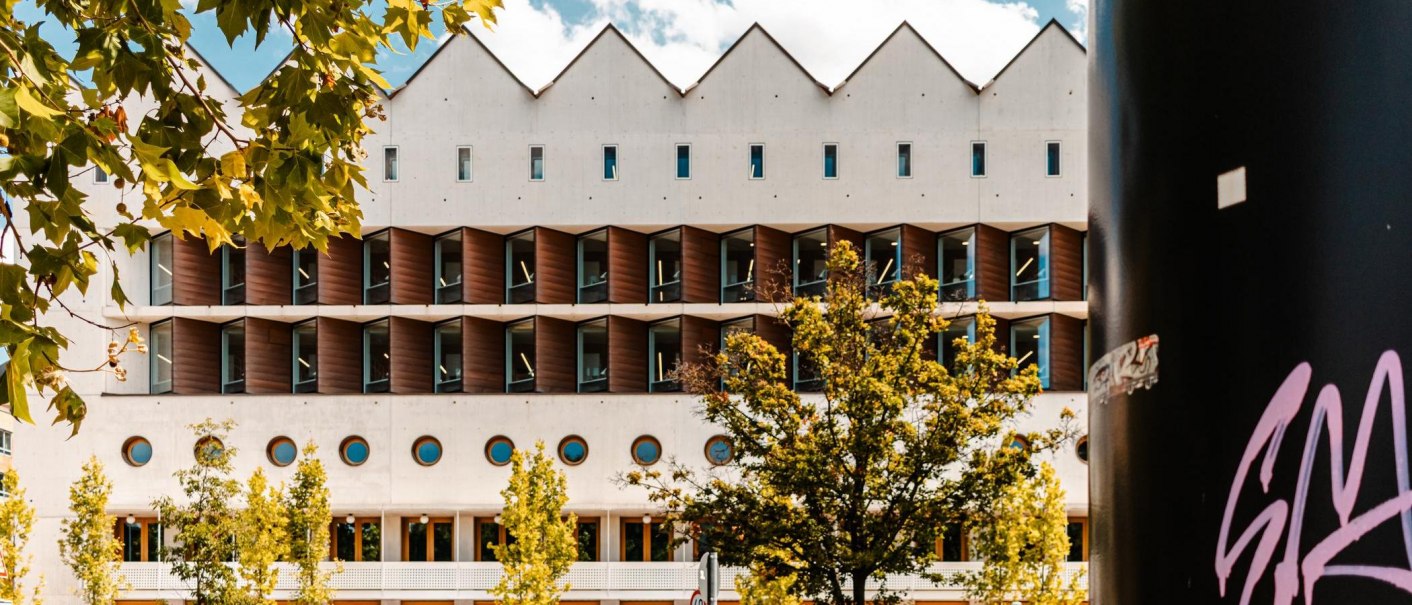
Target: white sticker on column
<point>1230,188</point>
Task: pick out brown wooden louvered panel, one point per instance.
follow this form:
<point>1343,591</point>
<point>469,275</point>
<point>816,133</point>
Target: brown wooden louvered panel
<point>1065,263</point>
<point>340,355</point>
<point>1066,350</point>
<point>838,234</point>
<point>773,256</point>
<point>413,257</point>
<point>555,267</point>
<point>483,342</point>
<point>627,266</point>
<point>918,251</point>
<point>555,355</point>
<point>410,342</point>
<point>196,357</point>
<point>196,272</point>
<point>269,275</point>
<point>483,259</point>
<point>627,355</point>
<point>341,273</point>
<point>700,338</point>
<point>268,361</point>
<point>992,264</point>
<point>701,266</point>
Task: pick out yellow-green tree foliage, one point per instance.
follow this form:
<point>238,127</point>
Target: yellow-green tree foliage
<point>543,543</point>
<point>87,544</point>
<point>263,538</point>
<point>757,588</point>
<point>16,523</point>
<point>1024,543</point>
<point>857,482</point>
<point>206,523</point>
<point>309,514</point>
<point>281,163</point>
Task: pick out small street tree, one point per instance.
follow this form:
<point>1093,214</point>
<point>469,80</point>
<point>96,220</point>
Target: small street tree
<point>16,523</point>
<point>857,483</point>
<point>543,540</point>
<point>205,524</point>
<point>87,544</point>
<point>309,515</point>
<point>758,588</point>
<point>1024,542</point>
<point>263,537</point>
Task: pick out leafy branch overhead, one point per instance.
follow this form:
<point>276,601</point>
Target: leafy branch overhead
<point>280,164</point>
<point>836,489</point>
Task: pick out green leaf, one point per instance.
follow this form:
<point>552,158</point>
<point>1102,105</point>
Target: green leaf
<point>9,110</point>
<point>15,377</point>
<point>33,106</point>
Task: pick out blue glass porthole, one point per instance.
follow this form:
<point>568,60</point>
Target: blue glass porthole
<point>573,450</point>
<point>720,450</point>
<point>282,451</point>
<point>354,451</point>
<point>208,449</point>
<point>427,451</point>
<point>137,451</point>
<point>499,450</point>
<point>646,450</point>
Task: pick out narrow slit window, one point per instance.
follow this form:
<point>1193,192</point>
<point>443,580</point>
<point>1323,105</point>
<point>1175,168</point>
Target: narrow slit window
<point>377,269</point>
<point>757,161</point>
<point>160,337</point>
<point>1051,157</point>
<point>683,161</point>
<point>306,276</point>
<point>665,261</point>
<point>448,268</point>
<point>536,162</point>
<point>978,158</point>
<point>830,161</point>
<point>593,356</point>
<point>389,164</point>
<point>306,357</point>
<point>233,358</point>
<point>233,272</point>
<point>161,253</point>
<point>519,357</point>
<point>448,357</point>
<point>377,357</point>
<point>904,160</point>
<point>463,164</point>
<point>610,162</point>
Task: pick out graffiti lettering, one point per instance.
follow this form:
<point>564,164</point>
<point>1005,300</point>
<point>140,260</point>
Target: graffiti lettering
<point>1270,525</point>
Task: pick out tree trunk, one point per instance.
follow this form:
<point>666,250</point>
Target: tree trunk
<point>860,585</point>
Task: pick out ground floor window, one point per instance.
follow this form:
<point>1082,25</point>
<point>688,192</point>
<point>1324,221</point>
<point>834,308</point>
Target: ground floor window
<point>360,540</point>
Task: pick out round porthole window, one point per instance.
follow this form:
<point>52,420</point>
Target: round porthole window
<point>137,451</point>
<point>499,450</point>
<point>208,449</point>
<point>1081,449</point>
<point>426,451</point>
<point>354,451</point>
<point>646,450</point>
<point>573,450</point>
<point>282,451</point>
<point>720,450</point>
<point>1019,442</point>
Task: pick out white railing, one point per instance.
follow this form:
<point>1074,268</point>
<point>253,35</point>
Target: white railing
<point>478,577</point>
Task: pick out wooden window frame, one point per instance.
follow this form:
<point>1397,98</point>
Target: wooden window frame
<point>646,543</point>
<point>965,545</point>
<point>579,522</point>
<point>358,523</point>
<point>500,537</point>
<point>146,524</point>
<point>407,523</point>
<point>1083,522</point>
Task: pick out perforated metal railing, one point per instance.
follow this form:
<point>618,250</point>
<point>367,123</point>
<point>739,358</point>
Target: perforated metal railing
<point>392,578</point>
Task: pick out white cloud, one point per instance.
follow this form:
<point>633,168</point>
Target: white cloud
<point>1080,25</point>
<point>829,37</point>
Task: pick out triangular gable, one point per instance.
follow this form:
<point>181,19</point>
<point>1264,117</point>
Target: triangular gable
<point>775,43</point>
<point>1053,24</point>
<point>478,44</point>
<point>610,31</point>
<point>906,28</point>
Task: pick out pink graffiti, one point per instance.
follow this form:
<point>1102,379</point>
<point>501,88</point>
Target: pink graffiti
<point>1270,524</point>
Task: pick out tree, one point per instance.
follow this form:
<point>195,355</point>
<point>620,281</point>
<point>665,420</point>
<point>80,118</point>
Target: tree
<point>206,524</point>
<point>1024,542</point>
<point>263,537</point>
<point>87,544</point>
<point>279,164</point>
<point>309,515</point>
<point>857,483</point>
<point>757,588</point>
<point>543,542</point>
<point>16,523</point>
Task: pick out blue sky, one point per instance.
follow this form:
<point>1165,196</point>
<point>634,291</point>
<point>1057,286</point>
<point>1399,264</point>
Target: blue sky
<point>536,38</point>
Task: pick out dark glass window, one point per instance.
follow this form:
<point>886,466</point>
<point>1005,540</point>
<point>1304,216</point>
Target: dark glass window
<point>957,251</point>
<point>830,161</point>
<point>757,161</point>
<point>519,357</point>
<point>448,356</point>
<point>738,266</point>
<point>306,357</point>
<point>883,256</point>
<point>389,163</point>
<point>161,269</point>
<point>646,541</point>
<point>160,338</point>
<point>536,163</point>
<point>360,540</point>
<point>807,377</point>
<point>306,276</point>
<point>951,546</point>
<point>377,358</point>
<point>141,540</point>
<point>593,356</point>
<point>1029,265</point>
<point>430,541</point>
<point>448,268</point>
<point>904,160</point>
<point>1078,540</point>
<point>588,539</point>
<point>593,267</point>
<point>233,273</point>
<point>683,161</point>
<point>1051,156</point>
<point>377,269</point>
<point>1029,343</point>
<point>519,268</point>
<point>665,266</point>
<point>463,164</point>
<point>233,358</point>
<point>978,158</point>
<point>664,355</point>
<point>961,327</point>
<point>811,262</point>
<point>610,162</point>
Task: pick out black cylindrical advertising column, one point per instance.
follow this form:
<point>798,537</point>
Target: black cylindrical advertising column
<point>1250,280</point>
